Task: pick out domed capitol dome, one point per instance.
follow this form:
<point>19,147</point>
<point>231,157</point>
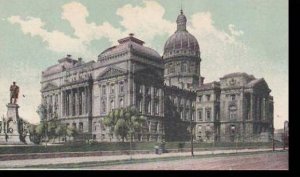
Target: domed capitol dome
<point>181,42</point>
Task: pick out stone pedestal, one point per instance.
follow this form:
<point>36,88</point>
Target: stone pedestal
<point>12,129</point>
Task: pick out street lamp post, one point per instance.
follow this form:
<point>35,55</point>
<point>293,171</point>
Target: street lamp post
<point>46,131</point>
<point>284,134</point>
<point>234,138</point>
<point>273,144</point>
<point>192,141</point>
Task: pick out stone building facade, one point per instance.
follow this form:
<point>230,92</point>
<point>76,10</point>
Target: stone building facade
<point>168,90</point>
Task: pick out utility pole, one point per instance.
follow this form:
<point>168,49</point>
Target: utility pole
<point>273,144</point>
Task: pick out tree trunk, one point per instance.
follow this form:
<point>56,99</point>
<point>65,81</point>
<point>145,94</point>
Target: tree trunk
<point>130,145</point>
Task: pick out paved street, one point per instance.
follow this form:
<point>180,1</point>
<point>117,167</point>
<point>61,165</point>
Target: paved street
<point>265,161</point>
<point>99,159</point>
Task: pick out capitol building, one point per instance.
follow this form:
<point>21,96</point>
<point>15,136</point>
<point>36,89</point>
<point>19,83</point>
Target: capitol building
<point>169,91</point>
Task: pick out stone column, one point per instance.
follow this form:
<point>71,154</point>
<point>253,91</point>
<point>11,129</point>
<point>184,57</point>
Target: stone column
<point>161,102</point>
<point>152,100</point>
<point>257,108</point>
<point>62,102</point>
<point>143,99</point>
<point>267,109</point>
<point>150,130</point>
<point>134,93</point>
<point>263,109</point>
<point>86,100</point>
<point>117,91</point>
<point>252,99</point>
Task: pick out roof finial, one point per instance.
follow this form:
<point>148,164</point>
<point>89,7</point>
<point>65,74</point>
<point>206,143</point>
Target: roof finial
<point>181,11</point>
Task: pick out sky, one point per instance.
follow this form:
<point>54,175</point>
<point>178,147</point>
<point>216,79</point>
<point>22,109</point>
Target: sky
<point>234,36</point>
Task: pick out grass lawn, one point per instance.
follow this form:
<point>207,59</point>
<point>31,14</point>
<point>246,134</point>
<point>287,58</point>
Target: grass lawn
<point>116,146</point>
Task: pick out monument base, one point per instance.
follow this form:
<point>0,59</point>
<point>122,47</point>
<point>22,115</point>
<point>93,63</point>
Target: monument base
<point>10,140</point>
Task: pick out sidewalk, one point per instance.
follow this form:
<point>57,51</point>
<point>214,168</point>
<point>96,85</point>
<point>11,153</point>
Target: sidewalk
<point>9,164</point>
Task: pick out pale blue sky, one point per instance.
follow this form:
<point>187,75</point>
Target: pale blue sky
<point>234,35</point>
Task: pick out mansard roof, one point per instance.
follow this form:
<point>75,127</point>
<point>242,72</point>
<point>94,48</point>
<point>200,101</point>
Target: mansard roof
<point>64,63</point>
<point>129,44</point>
<point>238,74</point>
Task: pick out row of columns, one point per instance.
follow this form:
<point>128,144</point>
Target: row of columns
<point>185,109</point>
<point>112,100</point>
<point>75,101</point>
<point>150,99</point>
<point>259,106</point>
<point>51,101</point>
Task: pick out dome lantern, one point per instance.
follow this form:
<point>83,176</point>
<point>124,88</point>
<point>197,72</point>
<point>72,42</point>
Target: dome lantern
<point>181,22</point>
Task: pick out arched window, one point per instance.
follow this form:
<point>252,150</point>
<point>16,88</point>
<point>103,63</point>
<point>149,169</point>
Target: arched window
<point>181,115</point>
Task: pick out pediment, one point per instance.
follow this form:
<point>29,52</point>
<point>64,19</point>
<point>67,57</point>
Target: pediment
<point>259,85</point>
<point>50,86</point>
<point>111,72</point>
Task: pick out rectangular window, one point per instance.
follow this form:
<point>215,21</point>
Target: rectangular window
<point>103,105</point>
<point>232,115</point>
<point>208,114</point>
<point>140,105</point>
<point>207,97</point>
<point>155,91</point>
<point>103,90</point>
<point>183,67</point>
<point>193,115</point>
<point>148,107</point>
<point>121,87</point>
<point>232,97</point>
<point>95,126</point>
<point>147,90</point>
<point>80,127</point>
<point>200,98</point>
<point>172,69</point>
<point>112,88</point>
<point>156,108</point>
<point>200,115</point>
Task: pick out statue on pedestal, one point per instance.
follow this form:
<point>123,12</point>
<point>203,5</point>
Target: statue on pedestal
<point>14,93</point>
